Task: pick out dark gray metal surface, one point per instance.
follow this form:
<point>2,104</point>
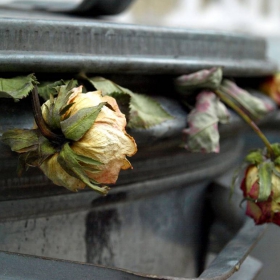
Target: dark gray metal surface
<point>72,45</point>
<point>23,267</point>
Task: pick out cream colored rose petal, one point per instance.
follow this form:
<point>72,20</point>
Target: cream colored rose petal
<point>56,173</point>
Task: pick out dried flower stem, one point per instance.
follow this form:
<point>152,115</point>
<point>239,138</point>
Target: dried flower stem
<point>37,112</point>
<point>247,119</point>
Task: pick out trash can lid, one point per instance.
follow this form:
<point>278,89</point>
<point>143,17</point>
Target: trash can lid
<point>41,42</point>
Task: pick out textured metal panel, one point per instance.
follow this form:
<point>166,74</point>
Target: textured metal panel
<point>138,226</point>
<point>99,47</point>
<point>20,267</point>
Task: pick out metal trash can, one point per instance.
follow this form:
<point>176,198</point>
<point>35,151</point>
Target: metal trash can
<point>157,220</point>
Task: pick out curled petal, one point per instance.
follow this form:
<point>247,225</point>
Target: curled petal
<point>56,173</point>
<point>108,145</point>
<point>254,211</point>
<point>202,134</point>
<point>112,116</point>
<point>106,141</point>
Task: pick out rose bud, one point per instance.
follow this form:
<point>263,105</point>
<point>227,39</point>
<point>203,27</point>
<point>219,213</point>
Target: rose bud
<point>261,190</point>
<point>99,148</point>
<point>79,139</point>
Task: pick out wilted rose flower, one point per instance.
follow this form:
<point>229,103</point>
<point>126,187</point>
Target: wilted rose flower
<point>271,86</point>
<point>106,142</point>
<point>266,211</point>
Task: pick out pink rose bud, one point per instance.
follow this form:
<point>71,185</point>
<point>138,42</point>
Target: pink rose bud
<point>261,210</point>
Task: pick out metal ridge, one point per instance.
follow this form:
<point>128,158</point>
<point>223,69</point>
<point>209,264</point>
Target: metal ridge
<point>69,63</point>
<point>100,47</point>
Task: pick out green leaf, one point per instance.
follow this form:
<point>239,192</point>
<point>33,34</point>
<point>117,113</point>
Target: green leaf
<point>78,124</point>
<point>33,147</point>
<point>277,161</point>
<point>251,105</point>
<point>276,149</point>
<point>18,87</point>
<point>254,157</point>
<point>71,84</point>
<point>66,108</point>
<point>145,112</point>
<point>55,106</point>
<point>265,170</point>
<point>88,160</point>
<point>141,111</point>
<point>21,140</point>
<point>46,89</point>
<point>202,133</point>
<point>108,87</point>
<point>68,161</point>
<point>44,150</point>
<point>206,79</point>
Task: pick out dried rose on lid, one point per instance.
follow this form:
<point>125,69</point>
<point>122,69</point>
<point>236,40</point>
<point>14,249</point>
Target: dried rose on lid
<point>88,144</point>
<point>261,186</point>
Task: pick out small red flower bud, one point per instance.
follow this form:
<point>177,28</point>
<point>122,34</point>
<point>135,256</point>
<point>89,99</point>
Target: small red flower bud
<point>261,211</point>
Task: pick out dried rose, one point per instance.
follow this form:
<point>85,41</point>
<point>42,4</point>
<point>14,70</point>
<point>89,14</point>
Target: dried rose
<point>202,135</point>
<point>253,106</point>
<point>271,86</point>
<point>105,142</point>
<point>84,143</point>
<point>203,79</point>
<point>261,185</point>
<point>267,211</point>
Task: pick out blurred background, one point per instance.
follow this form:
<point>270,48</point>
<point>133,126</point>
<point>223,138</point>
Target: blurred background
<point>257,17</point>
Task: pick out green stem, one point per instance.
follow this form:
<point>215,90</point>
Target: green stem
<point>247,119</point>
